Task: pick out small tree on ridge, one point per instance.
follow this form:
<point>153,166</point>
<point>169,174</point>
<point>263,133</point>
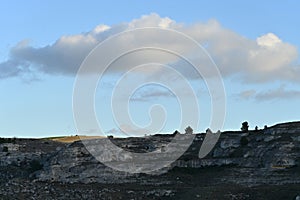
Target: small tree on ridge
<point>245,126</point>
<point>189,130</point>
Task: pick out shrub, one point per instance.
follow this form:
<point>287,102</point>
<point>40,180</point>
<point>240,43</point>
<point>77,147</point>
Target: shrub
<point>5,149</point>
<point>189,130</point>
<point>244,141</point>
<point>110,137</point>
<point>245,126</point>
<point>5,140</point>
<point>35,165</point>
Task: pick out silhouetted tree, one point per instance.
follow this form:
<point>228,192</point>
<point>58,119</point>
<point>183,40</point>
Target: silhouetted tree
<point>189,130</point>
<point>256,128</point>
<point>176,132</point>
<point>110,136</point>
<point>245,126</point>
<point>265,127</point>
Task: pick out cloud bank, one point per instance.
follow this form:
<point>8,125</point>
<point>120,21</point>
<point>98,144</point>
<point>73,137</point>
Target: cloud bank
<point>265,59</point>
<point>272,94</point>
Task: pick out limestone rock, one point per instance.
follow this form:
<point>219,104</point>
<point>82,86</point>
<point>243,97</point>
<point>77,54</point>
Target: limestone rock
<point>230,143</point>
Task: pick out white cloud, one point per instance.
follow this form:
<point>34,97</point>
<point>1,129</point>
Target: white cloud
<point>268,40</point>
<point>279,93</point>
<point>151,95</point>
<point>273,94</point>
<point>267,58</point>
<point>152,20</point>
<point>247,94</point>
<point>127,130</point>
<point>100,28</point>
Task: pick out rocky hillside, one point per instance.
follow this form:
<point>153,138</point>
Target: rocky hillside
<point>257,161</point>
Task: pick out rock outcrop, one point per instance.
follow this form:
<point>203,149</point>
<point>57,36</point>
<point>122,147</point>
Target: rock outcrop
<point>272,154</point>
<point>269,156</point>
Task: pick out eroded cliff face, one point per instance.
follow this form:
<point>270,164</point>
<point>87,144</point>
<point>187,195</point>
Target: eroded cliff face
<point>265,156</point>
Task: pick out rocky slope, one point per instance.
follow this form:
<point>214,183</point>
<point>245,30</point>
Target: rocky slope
<point>240,162</point>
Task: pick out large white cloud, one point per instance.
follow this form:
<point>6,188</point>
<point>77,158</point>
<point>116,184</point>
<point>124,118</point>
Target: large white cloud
<point>265,59</point>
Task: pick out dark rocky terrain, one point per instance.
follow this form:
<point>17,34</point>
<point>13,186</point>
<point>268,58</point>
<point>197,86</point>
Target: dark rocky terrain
<point>262,164</point>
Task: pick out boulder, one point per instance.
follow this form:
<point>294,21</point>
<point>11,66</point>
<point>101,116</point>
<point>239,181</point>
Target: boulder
<point>271,138</point>
<point>230,143</point>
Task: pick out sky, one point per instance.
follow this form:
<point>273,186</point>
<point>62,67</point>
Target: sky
<point>253,44</point>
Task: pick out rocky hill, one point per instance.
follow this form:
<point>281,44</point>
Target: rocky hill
<point>262,164</point>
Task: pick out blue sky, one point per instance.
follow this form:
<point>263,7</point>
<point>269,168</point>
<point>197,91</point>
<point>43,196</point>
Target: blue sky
<point>36,101</point>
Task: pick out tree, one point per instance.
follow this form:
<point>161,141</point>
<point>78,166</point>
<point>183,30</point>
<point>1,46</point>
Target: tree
<point>256,128</point>
<point>176,132</point>
<point>245,126</point>
<point>110,137</point>
<point>189,130</point>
